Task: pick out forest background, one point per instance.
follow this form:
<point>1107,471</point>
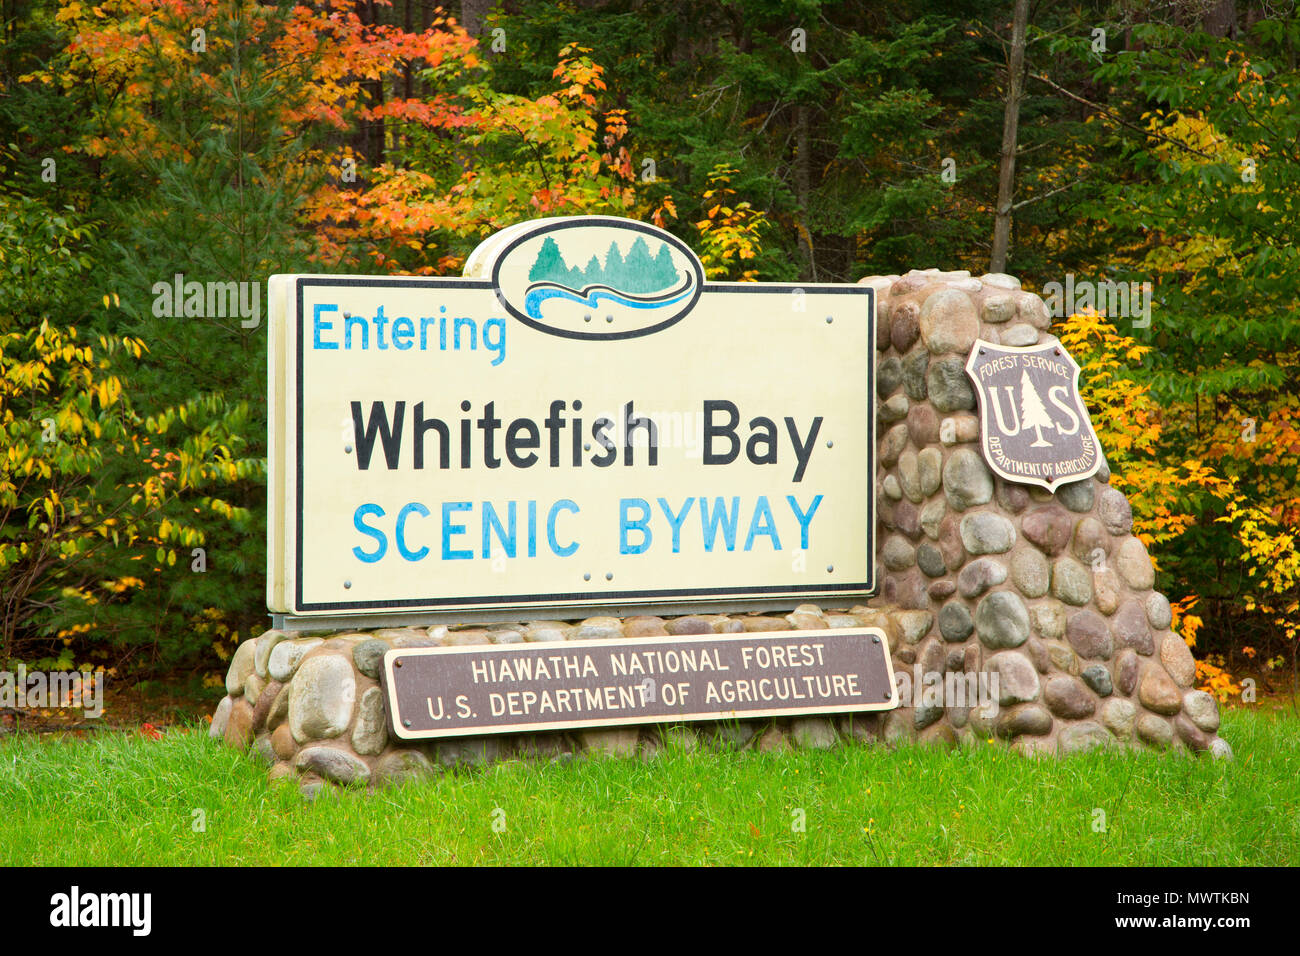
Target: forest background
<point>223,140</point>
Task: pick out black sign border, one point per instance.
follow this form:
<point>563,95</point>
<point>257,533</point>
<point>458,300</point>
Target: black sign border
<point>577,599</point>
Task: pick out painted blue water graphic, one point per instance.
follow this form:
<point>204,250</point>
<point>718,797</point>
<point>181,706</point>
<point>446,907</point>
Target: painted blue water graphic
<point>591,297</point>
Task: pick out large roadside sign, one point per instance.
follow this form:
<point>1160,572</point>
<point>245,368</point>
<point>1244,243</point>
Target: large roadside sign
<point>580,422</point>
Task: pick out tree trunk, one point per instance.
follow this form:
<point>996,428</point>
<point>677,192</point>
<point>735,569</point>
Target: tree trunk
<point>803,188</point>
<point>371,132</point>
<point>1220,19</point>
<point>472,15</point>
<point>1010,131</point>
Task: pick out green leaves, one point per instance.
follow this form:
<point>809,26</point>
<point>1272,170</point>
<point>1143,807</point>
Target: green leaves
<point>90,491</point>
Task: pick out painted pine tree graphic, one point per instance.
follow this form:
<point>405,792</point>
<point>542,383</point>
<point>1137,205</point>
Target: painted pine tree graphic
<point>637,273</point>
<point>1033,413</point>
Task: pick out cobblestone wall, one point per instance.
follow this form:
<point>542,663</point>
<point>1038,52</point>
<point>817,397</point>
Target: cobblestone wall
<point>1050,591</point>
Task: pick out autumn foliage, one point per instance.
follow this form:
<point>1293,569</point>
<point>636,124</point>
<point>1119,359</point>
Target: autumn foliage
<point>230,140</point>
<point>1233,484</point>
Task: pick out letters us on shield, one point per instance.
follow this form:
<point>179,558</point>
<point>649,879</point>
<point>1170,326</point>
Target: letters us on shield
<point>1034,428</point>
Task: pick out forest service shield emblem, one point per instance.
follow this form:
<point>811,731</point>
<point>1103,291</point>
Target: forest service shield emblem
<point>1034,428</point>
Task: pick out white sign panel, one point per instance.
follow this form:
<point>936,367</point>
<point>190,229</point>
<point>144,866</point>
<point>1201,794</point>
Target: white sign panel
<point>582,422</point>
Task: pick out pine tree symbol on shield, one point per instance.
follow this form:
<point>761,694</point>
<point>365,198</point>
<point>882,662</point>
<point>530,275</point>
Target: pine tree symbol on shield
<point>1052,441</point>
<point>1033,413</point>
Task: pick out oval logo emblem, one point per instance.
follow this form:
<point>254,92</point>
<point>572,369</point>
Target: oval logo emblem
<point>596,277</point>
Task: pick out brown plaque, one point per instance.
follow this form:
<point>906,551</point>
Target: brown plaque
<point>1034,427</point>
<point>514,688</point>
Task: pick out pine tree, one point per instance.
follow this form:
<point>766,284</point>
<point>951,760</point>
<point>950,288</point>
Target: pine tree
<point>640,268</point>
<point>1033,413</point>
<point>665,272</point>
<point>615,268</point>
<point>550,265</point>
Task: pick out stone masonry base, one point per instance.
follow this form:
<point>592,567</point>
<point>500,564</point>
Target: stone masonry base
<point>1052,592</point>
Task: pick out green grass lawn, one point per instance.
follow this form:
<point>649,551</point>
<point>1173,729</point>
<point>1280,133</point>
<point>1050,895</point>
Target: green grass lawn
<point>123,799</point>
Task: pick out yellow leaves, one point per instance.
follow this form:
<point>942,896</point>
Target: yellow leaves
<point>108,391</point>
<point>1214,679</point>
<point>730,232</point>
<point>1194,131</point>
<point>122,585</point>
<point>1185,623</point>
<point>69,12</point>
<point>1129,424</point>
<point>1272,559</point>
